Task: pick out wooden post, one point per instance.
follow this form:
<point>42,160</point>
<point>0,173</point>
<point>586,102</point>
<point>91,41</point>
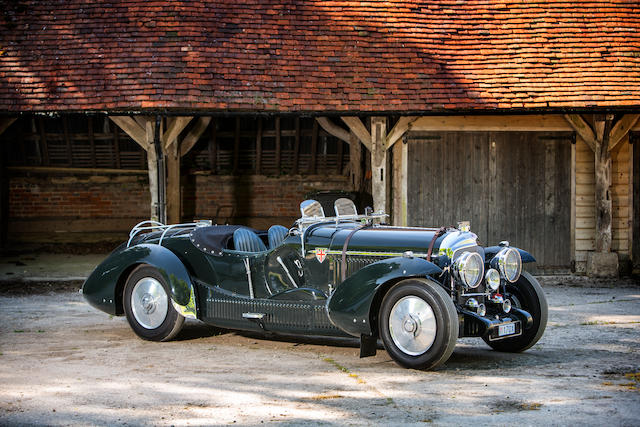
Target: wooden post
<point>603,184</point>
<point>379,170</point>
<point>355,160</point>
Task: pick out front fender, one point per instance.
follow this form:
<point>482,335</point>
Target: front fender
<point>349,307</point>
<point>491,251</point>
<point>100,287</point>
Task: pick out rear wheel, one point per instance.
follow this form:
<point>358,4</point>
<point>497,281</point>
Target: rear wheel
<point>528,295</point>
<point>148,306</point>
<point>418,324</point>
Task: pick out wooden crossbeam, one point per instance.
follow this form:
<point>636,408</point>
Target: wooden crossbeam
<point>333,129</point>
<point>525,123</point>
<point>194,135</point>
<point>175,126</point>
<point>583,129</point>
<point>132,128</point>
<point>622,128</point>
<point>5,122</point>
<point>399,129</point>
<point>359,129</point>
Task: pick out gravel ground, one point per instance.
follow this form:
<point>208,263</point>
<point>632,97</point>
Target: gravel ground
<point>64,363</point>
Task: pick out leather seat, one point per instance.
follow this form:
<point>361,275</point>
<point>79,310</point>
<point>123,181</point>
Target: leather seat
<point>247,241</point>
<point>276,235</point>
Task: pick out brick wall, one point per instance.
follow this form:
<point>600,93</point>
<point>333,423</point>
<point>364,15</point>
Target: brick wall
<point>45,206</point>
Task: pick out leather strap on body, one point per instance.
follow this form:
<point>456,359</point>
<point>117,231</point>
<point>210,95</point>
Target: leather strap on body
<point>439,233</point>
<point>343,266</point>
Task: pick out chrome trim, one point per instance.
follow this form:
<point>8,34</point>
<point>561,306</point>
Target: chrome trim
<point>189,310</point>
<point>150,225</point>
<point>247,268</point>
<point>293,282</point>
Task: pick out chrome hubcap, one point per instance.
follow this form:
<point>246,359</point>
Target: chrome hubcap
<point>149,303</point>
<point>412,325</point>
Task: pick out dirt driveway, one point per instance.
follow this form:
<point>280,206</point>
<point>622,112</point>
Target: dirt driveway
<point>62,362</point>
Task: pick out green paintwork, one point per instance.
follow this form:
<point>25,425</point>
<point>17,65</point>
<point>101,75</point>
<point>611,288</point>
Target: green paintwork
<point>296,291</point>
<point>350,305</point>
<point>100,287</point>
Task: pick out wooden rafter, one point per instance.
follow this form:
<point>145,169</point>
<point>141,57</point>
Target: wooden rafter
<point>194,135</point>
<point>359,129</point>
<point>583,129</point>
<point>132,128</point>
<point>174,127</point>
<point>399,129</point>
<point>5,122</point>
<point>333,129</point>
<point>622,128</point>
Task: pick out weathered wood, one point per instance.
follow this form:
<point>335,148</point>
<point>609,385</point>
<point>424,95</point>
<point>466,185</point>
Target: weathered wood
<point>5,122</point>
<point>635,194</point>
<point>194,135</point>
<point>402,126</point>
<point>621,129</point>
<point>174,196</point>
<point>360,130</point>
<point>399,187</point>
<point>583,129</point>
<point>529,123</point>
<point>175,126</point>
<point>573,208</point>
<point>380,172</point>
<point>355,163</point>
<point>603,183</point>
<point>133,129</point>
<point>152,169</point>
<point>314,147</point>
<point>259,147</point>
<point>333,129</point>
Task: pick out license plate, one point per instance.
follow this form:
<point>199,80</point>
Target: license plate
<point>507,329</point>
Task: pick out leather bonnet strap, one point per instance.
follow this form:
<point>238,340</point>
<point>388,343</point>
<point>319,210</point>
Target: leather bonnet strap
<point>343,267</point>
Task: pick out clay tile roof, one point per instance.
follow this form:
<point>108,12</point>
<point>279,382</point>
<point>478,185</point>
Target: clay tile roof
<point>319,56</point>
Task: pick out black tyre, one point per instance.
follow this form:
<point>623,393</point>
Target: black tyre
<point>528,295</point>
<point>148,306</point>
<point>418,324</point>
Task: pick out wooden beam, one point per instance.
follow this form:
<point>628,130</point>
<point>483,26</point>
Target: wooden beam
<point>92,142</point>
<point>355,163</point>
<point>213,148</point>
<point>533,122</point>
<point>278,147</point>
<point>175,126</point>
<point>44,150</point>
<point>403,125</point>
<point>236,146</point>
<point>5,122</point>
<point>133,129</point>
<point>603,200</point>
<point>174,193</point>
<point>314,147</point>
<point>621,129</point>
<point>360,130</point>
<point>379,170</point>
<point>296,148</point>
<point>152,169</point>
<point>194,135</point>
<point>333,129</point>
<point>583,129</point>
<point>259,147</point>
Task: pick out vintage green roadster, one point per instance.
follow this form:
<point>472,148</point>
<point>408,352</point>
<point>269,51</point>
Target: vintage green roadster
<point>416,289</point>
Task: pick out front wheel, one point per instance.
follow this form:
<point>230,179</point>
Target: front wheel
<point>148,306</point>
<point>418,324</point>
<point>528,295</point>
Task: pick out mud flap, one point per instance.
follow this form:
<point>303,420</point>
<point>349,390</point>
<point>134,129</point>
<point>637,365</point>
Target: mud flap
<point>368,345</point>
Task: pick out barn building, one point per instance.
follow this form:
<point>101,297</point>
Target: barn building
<point>521,117</point>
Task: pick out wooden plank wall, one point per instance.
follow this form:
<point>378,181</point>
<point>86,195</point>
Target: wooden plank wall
<point>585,202</point>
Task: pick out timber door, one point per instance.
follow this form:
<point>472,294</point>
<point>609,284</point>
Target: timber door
<point>513,186</point>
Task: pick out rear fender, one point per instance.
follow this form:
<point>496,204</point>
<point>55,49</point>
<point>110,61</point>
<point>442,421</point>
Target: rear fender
<point>101,287</point>
<point>350,306</point>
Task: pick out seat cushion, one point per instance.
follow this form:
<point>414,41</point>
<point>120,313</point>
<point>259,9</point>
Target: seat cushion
<point>247,241</point>
<point>276,235</point>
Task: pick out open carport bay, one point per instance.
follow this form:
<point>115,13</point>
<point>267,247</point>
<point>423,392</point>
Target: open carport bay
<point>62,362</point>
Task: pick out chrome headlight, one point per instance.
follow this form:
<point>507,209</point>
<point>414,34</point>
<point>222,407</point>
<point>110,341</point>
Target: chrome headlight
<point>509,264</point>
<point>492,279</point>
<point>468,268</point>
